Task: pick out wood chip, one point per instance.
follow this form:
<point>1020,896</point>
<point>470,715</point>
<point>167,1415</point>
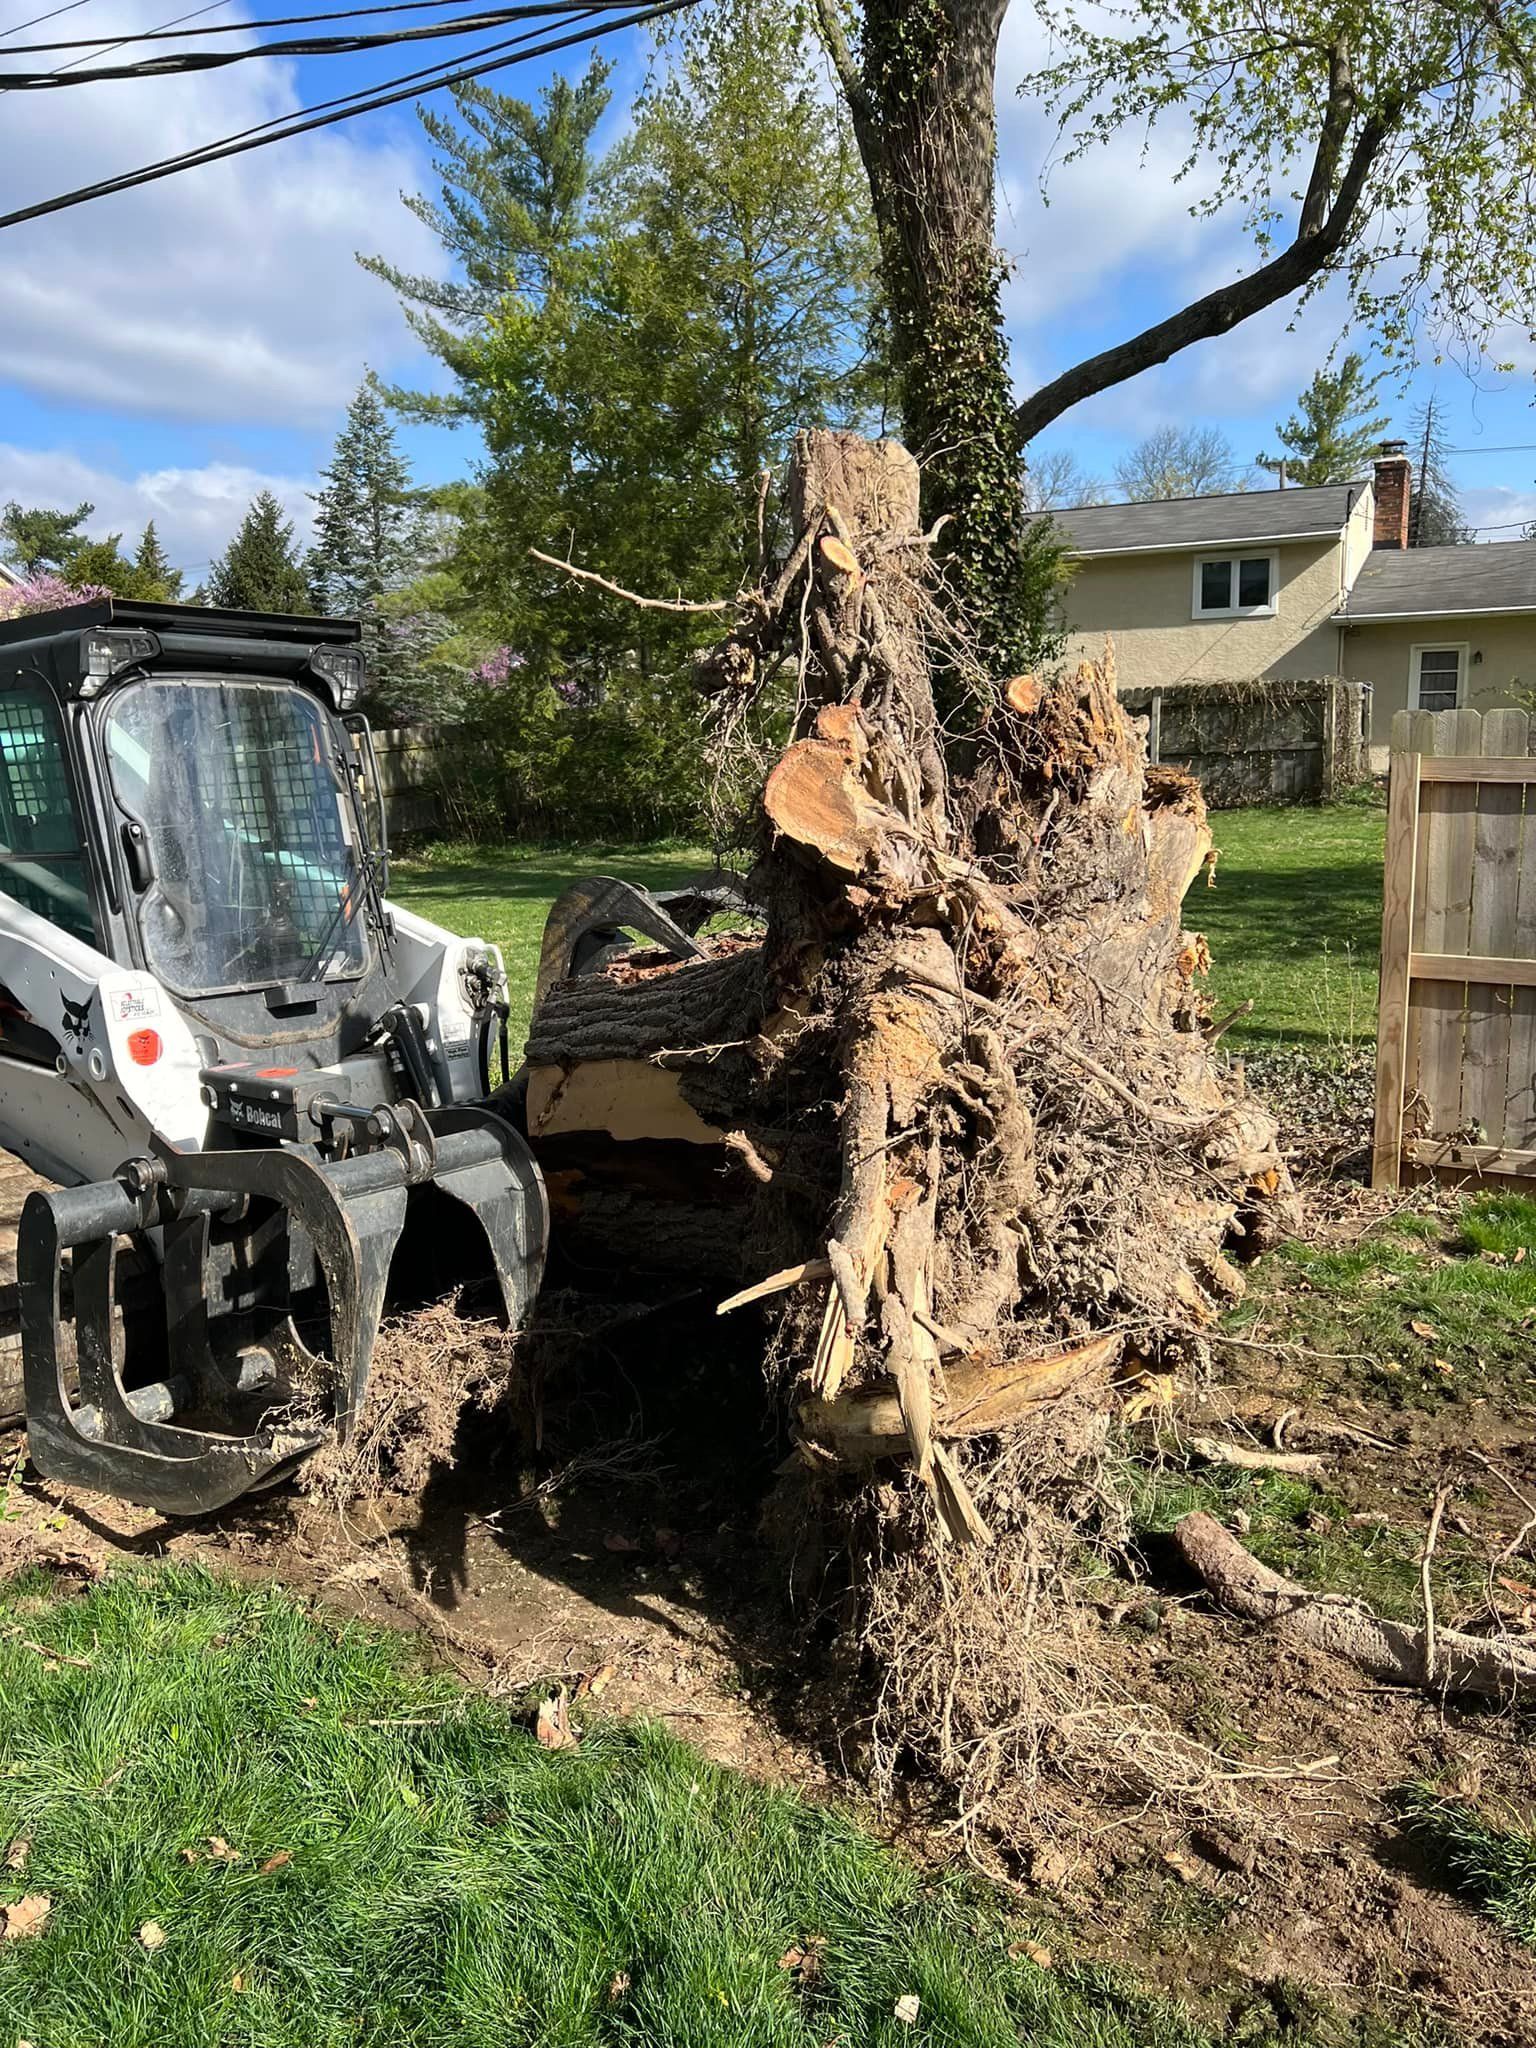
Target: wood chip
<point>596,1683</point>
<point>276,1862</point>
<point>907,2008</point>
<point>552,1729</point>
<point>152,1935</point>
<point>16,1855</point>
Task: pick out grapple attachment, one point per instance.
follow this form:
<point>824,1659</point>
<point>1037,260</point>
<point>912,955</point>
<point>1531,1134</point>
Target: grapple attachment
<point>276,1264</point>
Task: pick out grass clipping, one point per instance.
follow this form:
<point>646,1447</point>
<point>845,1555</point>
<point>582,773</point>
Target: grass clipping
<point>428,1368</point>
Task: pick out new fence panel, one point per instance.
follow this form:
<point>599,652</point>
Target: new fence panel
<point>1456,1031</point>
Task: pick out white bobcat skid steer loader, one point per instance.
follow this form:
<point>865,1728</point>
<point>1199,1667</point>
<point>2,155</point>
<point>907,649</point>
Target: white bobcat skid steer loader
<point>263,1087</point>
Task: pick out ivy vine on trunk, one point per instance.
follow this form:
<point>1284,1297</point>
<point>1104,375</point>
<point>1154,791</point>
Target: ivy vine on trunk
<point>920,93</point>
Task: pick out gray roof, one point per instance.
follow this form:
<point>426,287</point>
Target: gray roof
<point>1232,520</point>
<point>1439,583</point>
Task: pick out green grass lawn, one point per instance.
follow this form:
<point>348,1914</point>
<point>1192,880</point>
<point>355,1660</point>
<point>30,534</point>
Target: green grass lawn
<point>1294,920</point>
<point>1486,1848</point>
<point>255,1823</point>
<point>502,894</point>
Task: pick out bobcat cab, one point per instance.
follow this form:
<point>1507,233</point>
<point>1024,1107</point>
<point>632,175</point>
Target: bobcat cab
<point>262,1086</point>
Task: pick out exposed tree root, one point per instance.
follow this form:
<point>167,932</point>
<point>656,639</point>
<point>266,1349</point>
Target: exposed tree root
<point>1342,1627</point>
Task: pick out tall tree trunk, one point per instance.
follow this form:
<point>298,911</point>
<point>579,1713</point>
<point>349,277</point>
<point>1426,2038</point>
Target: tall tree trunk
<point>920,92</point>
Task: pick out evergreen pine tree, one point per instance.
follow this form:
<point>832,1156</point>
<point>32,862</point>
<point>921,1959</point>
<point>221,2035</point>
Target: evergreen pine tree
<point>259,571</point>
<point>368,541</point>
<point>152,567</point>
<point>1334,433</point>
<point>1435,518</point>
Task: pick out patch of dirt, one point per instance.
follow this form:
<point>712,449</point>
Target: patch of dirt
<point>633,1540</point>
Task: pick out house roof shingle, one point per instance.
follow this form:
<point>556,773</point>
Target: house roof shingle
<point>1497,576</point>
<point>1234,519</point>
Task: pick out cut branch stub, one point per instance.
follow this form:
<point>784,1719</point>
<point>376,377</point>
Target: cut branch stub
<point>838,557</point>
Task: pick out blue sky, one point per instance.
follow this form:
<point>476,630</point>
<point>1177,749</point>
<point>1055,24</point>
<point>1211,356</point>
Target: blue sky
<point>168,351</point>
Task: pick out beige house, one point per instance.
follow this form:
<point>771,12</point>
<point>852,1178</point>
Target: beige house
<point>1290,584</point>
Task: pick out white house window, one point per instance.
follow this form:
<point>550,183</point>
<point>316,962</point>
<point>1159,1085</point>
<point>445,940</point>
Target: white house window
<point>1435,677</point>
<point>1235,586</point>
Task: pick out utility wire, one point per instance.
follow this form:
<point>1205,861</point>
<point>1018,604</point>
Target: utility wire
<point>186,159</point>
<point>345,109</point>
<point>169,32</point>
<point>100,48</point>
<point>69,8</point>
<point>299,46</point>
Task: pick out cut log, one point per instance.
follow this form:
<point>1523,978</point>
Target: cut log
<point>1388,1650</point>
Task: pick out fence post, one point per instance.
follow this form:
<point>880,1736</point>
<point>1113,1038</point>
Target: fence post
<point>1398,875</point>
<point>1155,728</point>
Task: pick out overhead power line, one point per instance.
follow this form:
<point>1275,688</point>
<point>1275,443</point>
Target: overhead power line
<point>169,32</point>
<point>52,15</point>
<point>96,46</point>
<point>283,127</point>
<point>297,46</point>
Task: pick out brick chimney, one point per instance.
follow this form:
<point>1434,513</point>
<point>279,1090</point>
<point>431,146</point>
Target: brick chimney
<point>1394,477</point>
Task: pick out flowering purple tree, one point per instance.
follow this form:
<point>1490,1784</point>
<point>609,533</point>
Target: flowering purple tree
<point>43,591</point>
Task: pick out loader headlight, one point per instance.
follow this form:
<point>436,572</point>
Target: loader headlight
<point>342,669</point>
<point>106,652</point>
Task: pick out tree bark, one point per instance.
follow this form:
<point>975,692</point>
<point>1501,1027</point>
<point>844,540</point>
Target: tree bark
<point>920,94</point>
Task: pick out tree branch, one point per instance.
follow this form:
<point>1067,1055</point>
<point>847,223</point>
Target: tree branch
<point>1337,115</point>
<point>1312,250</point>
<point>866,128</point>
<point>849,76</point>
<point>649,604</point>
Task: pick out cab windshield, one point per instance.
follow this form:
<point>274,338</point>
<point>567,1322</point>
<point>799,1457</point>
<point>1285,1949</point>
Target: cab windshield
<point>253,875</point>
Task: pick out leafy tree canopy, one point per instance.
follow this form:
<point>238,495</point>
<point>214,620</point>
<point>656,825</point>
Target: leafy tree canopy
<point>35,539</point>
<point>635,335</point>
<point>152,566</point>
<point>1389,144</point>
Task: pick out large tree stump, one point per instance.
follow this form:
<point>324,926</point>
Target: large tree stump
<point>966,1067</point>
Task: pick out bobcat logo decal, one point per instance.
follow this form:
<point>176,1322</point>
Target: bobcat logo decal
<point>77,1023</point>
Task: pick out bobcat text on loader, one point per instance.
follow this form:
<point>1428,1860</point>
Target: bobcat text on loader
<point>264,1089</point>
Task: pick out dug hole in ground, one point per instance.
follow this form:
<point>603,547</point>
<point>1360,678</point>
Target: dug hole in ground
<point>920,1521</point>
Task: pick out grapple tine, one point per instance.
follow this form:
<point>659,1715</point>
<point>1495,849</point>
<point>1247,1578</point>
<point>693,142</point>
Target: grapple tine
<point>352,1212</point>
<point>101,1442</point>
<point>485,1164</point>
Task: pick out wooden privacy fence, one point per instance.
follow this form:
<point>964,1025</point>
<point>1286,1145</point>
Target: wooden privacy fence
<point>1456,1031</point>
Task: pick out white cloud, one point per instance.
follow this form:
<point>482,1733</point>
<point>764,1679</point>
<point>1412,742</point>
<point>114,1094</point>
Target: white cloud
<point>195,510</point>
<point>1115,208</point>
<point>1498,511</point>
<point>226,293</point>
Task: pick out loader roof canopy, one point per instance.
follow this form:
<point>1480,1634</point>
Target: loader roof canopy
<point>255,871</point>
